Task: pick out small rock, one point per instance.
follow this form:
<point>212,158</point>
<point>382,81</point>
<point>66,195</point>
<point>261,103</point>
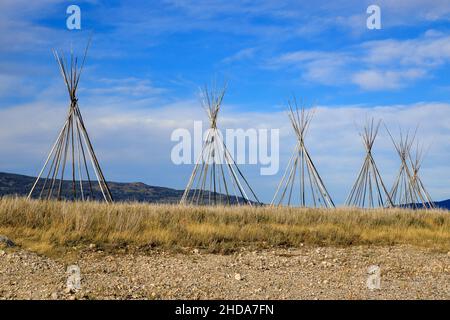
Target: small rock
<point>92,246</point>
<point>74,279</point>
<point>6,241</point>
<point>54,296</point>
<point>237,276</point>
<point>195,251</point>
<point>2,253</point>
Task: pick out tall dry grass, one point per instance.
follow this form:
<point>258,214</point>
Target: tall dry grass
<point>50,225</point>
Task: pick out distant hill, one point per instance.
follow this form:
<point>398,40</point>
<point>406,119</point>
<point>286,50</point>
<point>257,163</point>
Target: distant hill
<point>16,184</point>
<point>444,204</point>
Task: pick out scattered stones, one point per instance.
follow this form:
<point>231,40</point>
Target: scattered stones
<point>407,273</point>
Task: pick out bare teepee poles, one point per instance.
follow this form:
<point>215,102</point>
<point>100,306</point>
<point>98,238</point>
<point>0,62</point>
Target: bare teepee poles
<point>402,193</point>
<point>68,154</point>
<point>311,190</point>
<point>408,189</point>
<point>216,178</point>
<point>369,189</point>
<point>423,196</point>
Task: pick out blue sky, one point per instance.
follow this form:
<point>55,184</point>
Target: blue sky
<point>148,59</point>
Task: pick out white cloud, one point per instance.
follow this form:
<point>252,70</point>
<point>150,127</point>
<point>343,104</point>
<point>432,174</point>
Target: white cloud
<point>408,12</point>
<point>125,87</point>
<point>243,54</point>
<point>378,80</point>
<point>432,49</point>
<point>8,84</point>
<point>374,65</point>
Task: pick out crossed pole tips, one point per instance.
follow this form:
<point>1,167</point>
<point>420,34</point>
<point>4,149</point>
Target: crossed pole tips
<point>301,176</point>
<point>67,157</point>
<point>408,190</point>
<point>216,178</point>
<point>369,190</point>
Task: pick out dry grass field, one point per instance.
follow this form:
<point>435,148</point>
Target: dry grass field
<point>49,226</point>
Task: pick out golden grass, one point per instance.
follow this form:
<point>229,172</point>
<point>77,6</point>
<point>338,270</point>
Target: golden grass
<point>49,226</point>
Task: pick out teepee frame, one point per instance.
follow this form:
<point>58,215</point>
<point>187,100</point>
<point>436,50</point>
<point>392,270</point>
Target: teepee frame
<point>68,154</point>
<point>216,178</point>
<point>311,189</point>
<point>408,190</point>
<point>369,189</point>
<point>423,196</point>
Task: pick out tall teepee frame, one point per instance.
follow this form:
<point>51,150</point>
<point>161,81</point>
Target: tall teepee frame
<point>369,189</point>
<point>68,154</point>
<point>216,178</point>
<point>408,189</point>
<point>311,190</point>
<point>423,196</point>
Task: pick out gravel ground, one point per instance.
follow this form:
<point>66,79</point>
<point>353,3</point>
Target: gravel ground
<point>304,273</point>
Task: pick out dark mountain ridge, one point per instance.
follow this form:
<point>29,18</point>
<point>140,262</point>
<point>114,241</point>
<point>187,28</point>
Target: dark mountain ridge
<point>20,185</point>
<point>17,184</point>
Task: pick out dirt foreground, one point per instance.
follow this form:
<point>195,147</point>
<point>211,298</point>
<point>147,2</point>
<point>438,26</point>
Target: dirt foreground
<point>304,273</point>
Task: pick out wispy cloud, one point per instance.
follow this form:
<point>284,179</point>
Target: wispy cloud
<point>133,87</point>
<point>375,65</point>
<point>243,54</point>
<point>430,50</point>
<point>379,79</point>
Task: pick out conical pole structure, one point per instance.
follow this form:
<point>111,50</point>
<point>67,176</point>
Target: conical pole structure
<point>66,173</point>
<point>422,195</point>
<point>369,189</point>
<point>216,178</point>
<point>408,190</point>
<point>301,170</point>
<point>402,192</point>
